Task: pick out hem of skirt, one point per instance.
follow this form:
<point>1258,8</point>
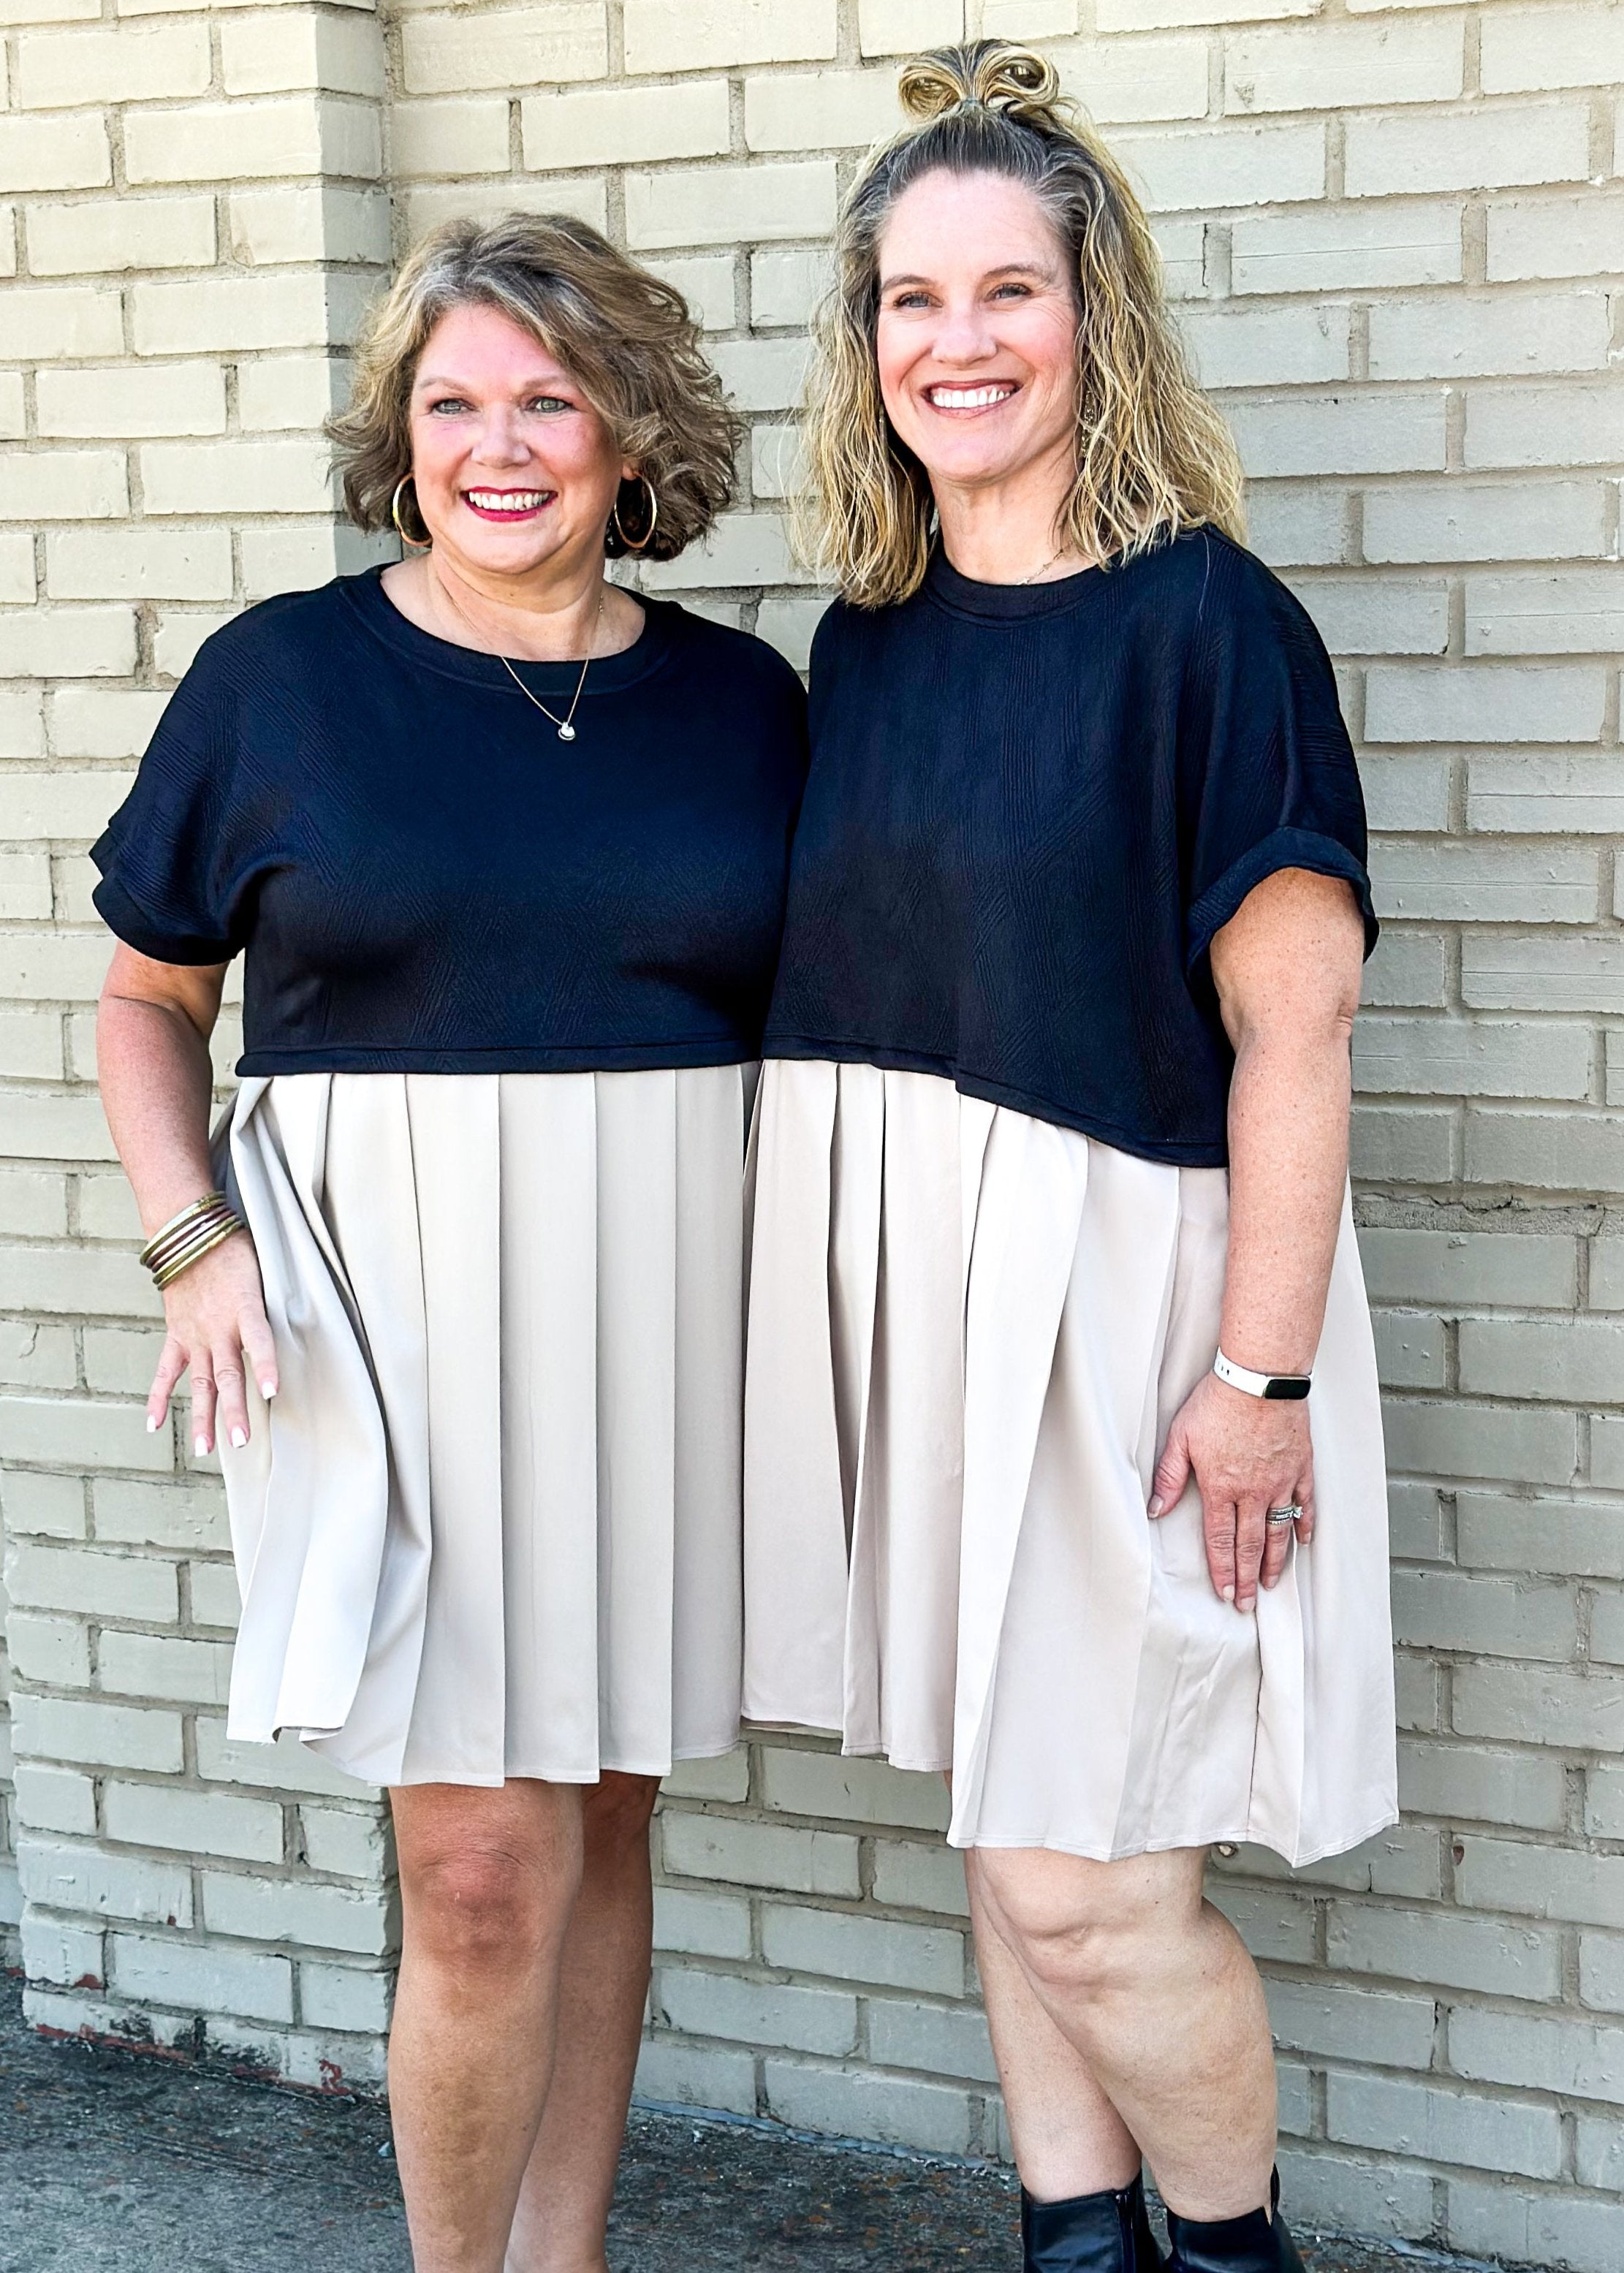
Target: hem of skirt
<point>470,1781</point>
<point>1246,1836</point>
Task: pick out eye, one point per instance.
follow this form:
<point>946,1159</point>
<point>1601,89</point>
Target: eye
<point>1011,291</point>
<point>548,403</point>
<point>447,404</point>
<point>916,298</point>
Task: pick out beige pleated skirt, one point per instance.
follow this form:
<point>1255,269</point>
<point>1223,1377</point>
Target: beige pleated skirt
<point>493,1526</point>
<point>969,1330</point>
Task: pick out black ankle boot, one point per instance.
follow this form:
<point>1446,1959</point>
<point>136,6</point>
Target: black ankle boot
<point>1092,2233</point>
<point>1256,2243</point>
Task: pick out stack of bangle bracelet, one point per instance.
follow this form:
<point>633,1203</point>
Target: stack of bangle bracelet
<point>189,1236</point>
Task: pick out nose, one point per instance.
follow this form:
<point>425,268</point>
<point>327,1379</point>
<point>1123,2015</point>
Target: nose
<point>964,336</point>
<point>500,440</point>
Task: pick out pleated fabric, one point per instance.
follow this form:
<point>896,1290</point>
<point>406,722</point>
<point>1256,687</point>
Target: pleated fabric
<point>491,1526</point>
<point>969,1333</point>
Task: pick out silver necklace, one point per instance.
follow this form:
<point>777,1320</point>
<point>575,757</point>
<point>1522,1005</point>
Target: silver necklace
<point>565,725</point>
<point>1047,565</point>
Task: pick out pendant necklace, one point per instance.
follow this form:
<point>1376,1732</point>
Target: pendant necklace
<point>565,725</point>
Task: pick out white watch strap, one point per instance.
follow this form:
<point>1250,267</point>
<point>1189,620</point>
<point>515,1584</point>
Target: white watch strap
<point>1259,1385</point>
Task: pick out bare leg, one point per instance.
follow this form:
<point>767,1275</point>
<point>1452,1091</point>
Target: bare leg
<point>1154,1992</point>
<point>488,1880</point>
<point>564,2204</point>
<point>1068,2138</point>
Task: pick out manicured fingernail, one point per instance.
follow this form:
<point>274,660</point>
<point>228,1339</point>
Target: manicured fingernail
<point>267,1389</point>
<point>152,1425</point>
<point>1228,1593</point>
<point>1157,1504</point>
<point>200,1445</point>
<point>239,1437</point>
<point>1274,1582</point>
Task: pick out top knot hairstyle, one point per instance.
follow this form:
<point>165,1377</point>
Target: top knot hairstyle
<point>1153,454</point>
<point>626,337</point>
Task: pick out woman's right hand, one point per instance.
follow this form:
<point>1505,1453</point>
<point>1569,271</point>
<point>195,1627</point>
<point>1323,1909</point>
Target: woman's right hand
<point>216,1315</point>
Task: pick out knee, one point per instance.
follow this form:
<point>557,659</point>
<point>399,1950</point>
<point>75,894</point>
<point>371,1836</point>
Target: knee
<point>485,1906</point>
<point>616,1816</point>
<point>1073,1926</point>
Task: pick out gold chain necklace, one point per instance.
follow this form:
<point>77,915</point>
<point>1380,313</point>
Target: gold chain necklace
<point>1047,564</point>
<point>565,725</point>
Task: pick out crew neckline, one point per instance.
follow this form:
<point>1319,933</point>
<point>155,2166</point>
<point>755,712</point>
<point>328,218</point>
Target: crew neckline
<point>965,595</point>
<point>608,675</point>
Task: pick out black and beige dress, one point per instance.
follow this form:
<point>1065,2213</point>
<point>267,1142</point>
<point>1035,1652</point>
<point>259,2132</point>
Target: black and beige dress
<point>991,1222</point>
<point>503,1001</point>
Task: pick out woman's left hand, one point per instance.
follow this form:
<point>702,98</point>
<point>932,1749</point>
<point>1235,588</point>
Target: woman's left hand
<point>1248,1454</point>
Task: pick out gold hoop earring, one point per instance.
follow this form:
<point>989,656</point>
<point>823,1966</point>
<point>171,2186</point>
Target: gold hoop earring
<point>647,533</point>
<point>412,543</point>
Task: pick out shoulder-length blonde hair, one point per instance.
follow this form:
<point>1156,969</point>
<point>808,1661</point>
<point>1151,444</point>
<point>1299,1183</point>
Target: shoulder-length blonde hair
<point>1153,453</point>
<point>625,338</point>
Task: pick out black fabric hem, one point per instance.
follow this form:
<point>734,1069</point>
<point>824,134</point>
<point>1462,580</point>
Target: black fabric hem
<point>1282,848</point>
<point>582,1057</point>
<point>1172,1152</point>
<point>128,922</point>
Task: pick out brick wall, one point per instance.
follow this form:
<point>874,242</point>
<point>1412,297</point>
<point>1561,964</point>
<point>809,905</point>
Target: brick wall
<point>1396,238</point>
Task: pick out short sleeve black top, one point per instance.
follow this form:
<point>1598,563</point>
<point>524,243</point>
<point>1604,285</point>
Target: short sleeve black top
<point>425,879</point>
<point>1029,810</point>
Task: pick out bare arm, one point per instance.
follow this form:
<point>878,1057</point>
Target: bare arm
<point>1286,969</point>
<point>153,1062</point>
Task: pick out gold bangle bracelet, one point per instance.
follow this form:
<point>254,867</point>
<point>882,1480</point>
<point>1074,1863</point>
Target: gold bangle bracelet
<point>197,1207</point>
<point>182,1242</point>
<point>218,1235</point>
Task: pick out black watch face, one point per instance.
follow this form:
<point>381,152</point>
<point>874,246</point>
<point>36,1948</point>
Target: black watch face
<point>1286,1391</point>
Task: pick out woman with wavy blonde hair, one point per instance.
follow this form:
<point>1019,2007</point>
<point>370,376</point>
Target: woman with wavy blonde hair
<point>1063,1451</point>
<point>504,847</point>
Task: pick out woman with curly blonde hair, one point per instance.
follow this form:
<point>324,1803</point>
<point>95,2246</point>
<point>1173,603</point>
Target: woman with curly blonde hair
<point>1063,1451</point>
<point>504,850</point>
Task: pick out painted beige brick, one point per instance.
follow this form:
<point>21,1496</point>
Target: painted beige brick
<point>343,1997</point>
<point>1511,333</point>
<point>1503,1701</point>
<point>227,312</point>
<point>759,1855</point>
<point>1456,1057</point>
<point>202,1979</point>
<point>285,1766</point>
<point>911,1877</point>
<point>1275,1926</point>
<point>314,1917</point>
<point>755,2012</point>
<point>1302,524</point>
<point>786,285</point>
<point>1363,2025</point>
<point>1346,248</point>
<point>1138,81</point>
<point>466,136</point>
<point>1574,1361</point>
<point>426,209</point>
<point>105,1735</point>
<point>696,2075</point>
<point>1314,67</point>
<point>1485,702</point>
<point>900,27</point>
<point>63,485</point>
<point>1549,1152</point>
<point>1469,1784</point>
<point>99,722</point>
<point>1528,48</point>
<point>1515,521</point>
<point>939,2039</point>
<point>263,54</point>
<point>1557,2228</point>
<point>1542,1881</point>
<point>763,374</point>
<point>1156,15</point>
<point>894,2111</point>
<point>708,284</point>
<point>1538,792</point>
<point>716,205</point>
<point>836,1946</point>
<point>119,233</point>
<point>626,125</point>
<point>672,35</point>
<point>1546,426</point>
<point>1275,347</point>
<point>1209,166</point>
<point>93,1583</point>
<point>1554,236</point>
<point>277,477</point>
<point>1341,434</point>
<point>701,1925</point>
<point>54,1650</point>
<point>54,1799</point>
<point>22,730</point>
<point>41,1124</point>
<point>545,41</point>
<point>1411,1350</point>
<point>165,398</point>
<point>1464,1612</point>
<point>284,392</point>
<point>66,642</point>
<point>66,1877</point>
<point>177,638</point>
<point>1544,974</point>
<point>817,110</point>
<point>12,421</point>
<point>1571,611</point>
<point>743,550</point>
<point>1455,1267</point>
<point>1444,2126</point>
<point>242,141</point>
<point>1425,1438</point>
<point>1491,147</point>
<point>1501,1533</point>
<point>311,221</point>
<point>55,153</point>
<point>138,564</point>
<point>195,1822</point>
<point>56,322</point>
<point>216,1601</point>
<point>126,63</point>
<point>180,1672</point>
<point>854,1790</point>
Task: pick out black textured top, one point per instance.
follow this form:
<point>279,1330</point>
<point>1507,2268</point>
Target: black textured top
<point>1029,810</point>
<point>427,879</point>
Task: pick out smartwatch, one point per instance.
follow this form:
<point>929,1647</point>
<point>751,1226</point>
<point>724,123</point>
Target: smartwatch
<point>1289,1387</point>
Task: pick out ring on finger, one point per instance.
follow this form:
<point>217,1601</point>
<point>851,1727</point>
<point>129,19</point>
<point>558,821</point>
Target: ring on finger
<point>1287,1514</point>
